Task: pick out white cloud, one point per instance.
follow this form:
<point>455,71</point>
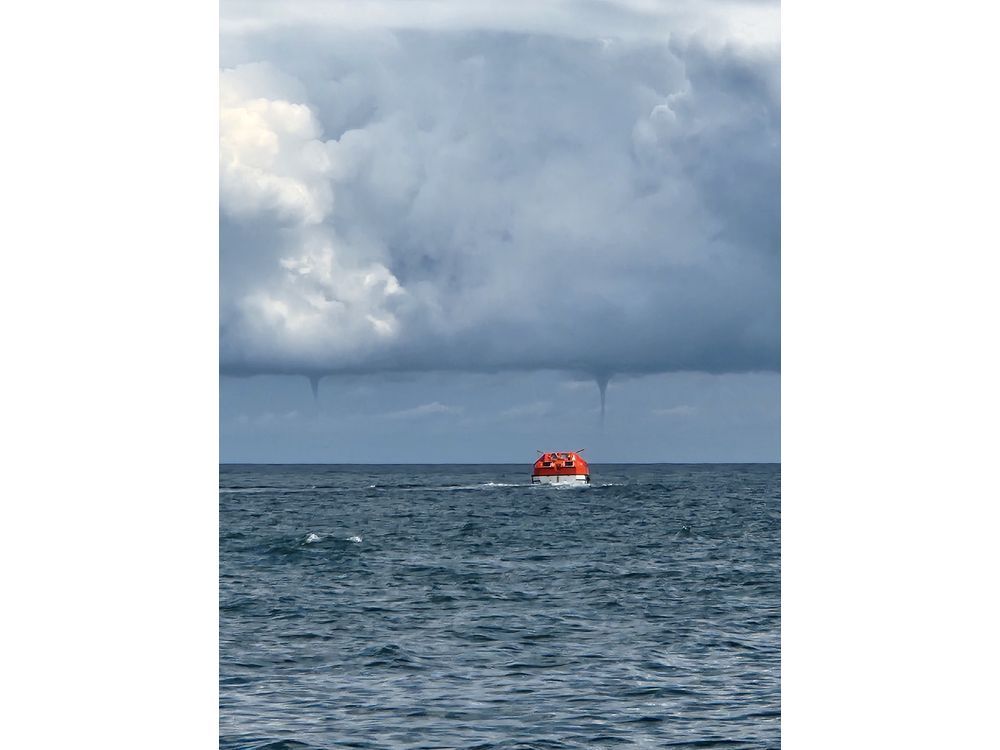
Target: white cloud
<point>275,168</point>
<point>267,418</point>
<point>683,410</point>
<point>270,156</point>
<point>527,411</point>
<point>424,410</point>
<point>747,22</point>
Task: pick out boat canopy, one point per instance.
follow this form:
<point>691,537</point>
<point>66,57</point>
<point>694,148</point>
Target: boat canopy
<point>559,463</point>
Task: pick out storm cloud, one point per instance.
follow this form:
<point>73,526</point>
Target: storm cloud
<point>406,191</point>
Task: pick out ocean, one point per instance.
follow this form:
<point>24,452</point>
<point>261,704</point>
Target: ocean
<point>455,606</point>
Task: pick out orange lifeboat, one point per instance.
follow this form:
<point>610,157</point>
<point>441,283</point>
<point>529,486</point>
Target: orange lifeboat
<point>561,468</point>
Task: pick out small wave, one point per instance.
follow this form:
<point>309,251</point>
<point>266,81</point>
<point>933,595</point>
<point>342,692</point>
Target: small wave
<point>280,490</point>
<point>482,486</point>
<point>281,745</point>
<point>313,538</point>
<point>390,656</point>
<point>291,547</point>
<point>446,487</point>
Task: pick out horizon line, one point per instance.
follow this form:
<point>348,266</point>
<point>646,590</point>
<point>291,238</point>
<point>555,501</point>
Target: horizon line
<point>485,463</point>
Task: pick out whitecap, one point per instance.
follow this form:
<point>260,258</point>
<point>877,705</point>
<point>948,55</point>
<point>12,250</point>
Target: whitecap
<point>313,538</point>
<point>357,539</point>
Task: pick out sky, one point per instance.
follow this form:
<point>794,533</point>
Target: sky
<point>446,227</point>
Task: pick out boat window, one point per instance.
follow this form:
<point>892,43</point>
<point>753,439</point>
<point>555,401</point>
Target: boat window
<point>569,464</point>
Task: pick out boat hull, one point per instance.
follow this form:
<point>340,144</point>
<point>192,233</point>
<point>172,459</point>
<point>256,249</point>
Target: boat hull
<point>560,479</point>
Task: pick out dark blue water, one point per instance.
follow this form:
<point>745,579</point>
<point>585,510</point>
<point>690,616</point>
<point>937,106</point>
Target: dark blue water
<point>461,607</point>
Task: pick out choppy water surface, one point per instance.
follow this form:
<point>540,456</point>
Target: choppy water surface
<point>461,607</point>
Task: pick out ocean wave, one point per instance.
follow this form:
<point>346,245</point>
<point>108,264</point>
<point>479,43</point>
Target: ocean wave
<point>472,597</point>
<point>237,742</point>
<point>292,547</point>
<point>313,538</point>
<point>278,490</point>
<point>447,487</point>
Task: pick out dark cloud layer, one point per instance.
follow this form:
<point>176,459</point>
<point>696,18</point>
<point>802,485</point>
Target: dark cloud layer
<point>468,199</point>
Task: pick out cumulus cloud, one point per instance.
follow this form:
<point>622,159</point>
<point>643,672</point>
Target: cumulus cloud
<point>682,410</point>
<point>270,158</point>
<point>522,411</point>
<point>483,193</point>
<point>267,418</point>
<point>424,410</point>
